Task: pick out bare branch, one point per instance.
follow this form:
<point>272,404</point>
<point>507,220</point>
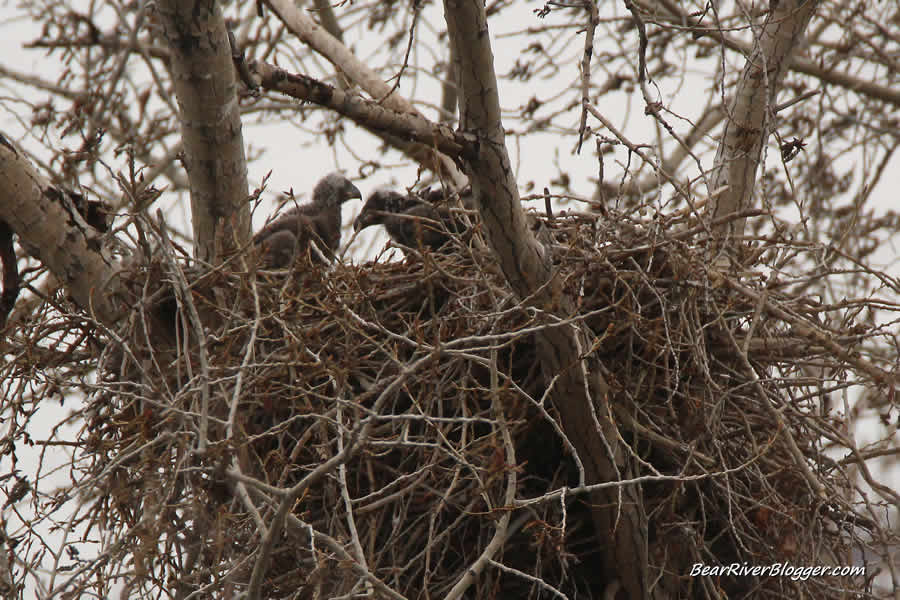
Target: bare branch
<point>358,72</point>
<point>372,115</point>
<point>799,64</point>
<point>580,393</point>
<point>749,116</point>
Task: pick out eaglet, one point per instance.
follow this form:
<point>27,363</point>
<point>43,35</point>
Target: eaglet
<point>410,220</point>
<point>315,224</point>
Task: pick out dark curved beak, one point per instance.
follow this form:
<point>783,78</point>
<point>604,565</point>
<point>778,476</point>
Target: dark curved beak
<point>363,219</point>
<point>354,192</point>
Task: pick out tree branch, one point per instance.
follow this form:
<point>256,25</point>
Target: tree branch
<point>749,116</point>
<point>50,229</point>
<point>799,64</point>
<point>579,391</point>
<point>329,20</point>
<point>205,85</point>
<point>382,121</point>
<point>337,54</point>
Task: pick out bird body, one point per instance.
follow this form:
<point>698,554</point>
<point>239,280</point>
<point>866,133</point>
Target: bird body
<point>408,219</point>
<point>315,224</point>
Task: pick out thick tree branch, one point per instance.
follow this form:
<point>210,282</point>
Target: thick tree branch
<point>579,391</point>
<point>384,122</point>
<point>361,74</point>
<point>449,91</point>
<point>749,116</point>
<point>328,19</point>
<point>205,85</point>
<point>799,64</point>
<point>51,230</point>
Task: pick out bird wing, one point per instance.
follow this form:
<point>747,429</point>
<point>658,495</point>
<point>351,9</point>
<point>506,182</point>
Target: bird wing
<point>420,225</point>
<point>325,230</point>
<point>291,235</point>
<point>278,249</point>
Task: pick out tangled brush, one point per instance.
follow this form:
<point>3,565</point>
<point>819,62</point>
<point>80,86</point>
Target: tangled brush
<point>366,429</point>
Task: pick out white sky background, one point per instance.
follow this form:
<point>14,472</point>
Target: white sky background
<point>296,160</point>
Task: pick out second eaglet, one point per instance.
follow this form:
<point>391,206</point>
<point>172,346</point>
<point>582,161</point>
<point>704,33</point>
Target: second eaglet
<point>315,224</point>
<point>409,219</point>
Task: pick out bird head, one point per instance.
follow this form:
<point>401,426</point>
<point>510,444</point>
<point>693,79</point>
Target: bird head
<point>379,205</point>
<point>333,190</point>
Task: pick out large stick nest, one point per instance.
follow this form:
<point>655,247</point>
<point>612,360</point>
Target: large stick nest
<point>402,399</point>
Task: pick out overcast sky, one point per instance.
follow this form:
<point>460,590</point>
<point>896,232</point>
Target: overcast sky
<point>296,161</point>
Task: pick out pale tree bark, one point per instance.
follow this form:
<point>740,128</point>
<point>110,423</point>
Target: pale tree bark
<point>205,85</point>
<point>419,135</point>
<point>828,75</point>
<point>52,231</point>
<point>579,392</point>
<point>749,116</point>
<point>329,20</point>
<point>317,38</point>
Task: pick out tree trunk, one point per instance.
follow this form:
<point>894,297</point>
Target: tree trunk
<point>205,85</point>
<point>579,393</point>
